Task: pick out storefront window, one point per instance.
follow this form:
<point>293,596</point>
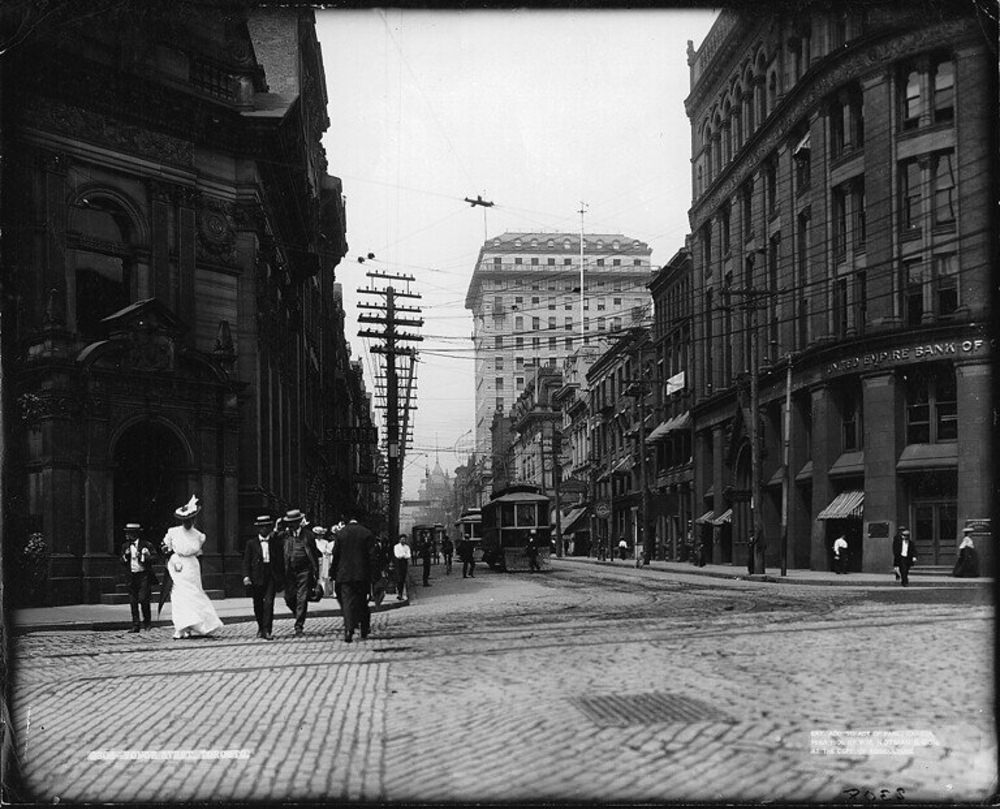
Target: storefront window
<point>931,407</point>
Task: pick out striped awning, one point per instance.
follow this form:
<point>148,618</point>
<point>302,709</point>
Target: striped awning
<point>660,431</point>
<point>679,422</point>
<point>706,518</point>
<point>724,517</point>
<point>623,467</point>
<point>574,521</point>
<point>845,504</point>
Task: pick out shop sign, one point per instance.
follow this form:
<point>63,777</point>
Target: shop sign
<point>602,510</point>
<point>927,351</point>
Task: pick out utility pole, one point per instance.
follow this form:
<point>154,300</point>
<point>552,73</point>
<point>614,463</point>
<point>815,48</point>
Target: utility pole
<point>786,477</point>
<point>582,211</point>
<point>637,388</point>
<point>395,449</point>
<point>556,468</point>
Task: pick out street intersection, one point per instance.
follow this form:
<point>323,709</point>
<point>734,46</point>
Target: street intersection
<point>589,682</point>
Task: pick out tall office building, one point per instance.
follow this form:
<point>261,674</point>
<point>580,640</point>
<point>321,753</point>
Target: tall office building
<point>526,304</point>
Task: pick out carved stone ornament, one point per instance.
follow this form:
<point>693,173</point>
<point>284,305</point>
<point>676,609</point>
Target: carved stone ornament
<point>216,231</point>
<point>48,114</point>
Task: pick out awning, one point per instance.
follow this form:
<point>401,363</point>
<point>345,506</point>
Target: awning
<point>778,478</point>
<point>710,493</point>
<point>660,431</point>
<point>724,517</point>
<point>918,457</point>
<point>806,472</point>
<point>848,464</point>
<point>575,521</point>
<point>845,504</point>
<point>706,518</point>
<point>803,146</point>
<point>680,422</point>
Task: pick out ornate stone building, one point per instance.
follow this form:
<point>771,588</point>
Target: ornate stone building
<point>843,197</point>
<point>171,324</point>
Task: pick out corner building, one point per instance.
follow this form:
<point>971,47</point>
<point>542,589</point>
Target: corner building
<point>842,199</point>
<point>172,324</point>
<point>526,306</point>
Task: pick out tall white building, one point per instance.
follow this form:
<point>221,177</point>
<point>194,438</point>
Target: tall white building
<point>526,305</point>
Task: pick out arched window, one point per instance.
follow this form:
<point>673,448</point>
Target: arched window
<point>100,256</point>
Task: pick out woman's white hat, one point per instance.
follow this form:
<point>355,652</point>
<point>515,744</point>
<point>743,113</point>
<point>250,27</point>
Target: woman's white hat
<point>188,510</point>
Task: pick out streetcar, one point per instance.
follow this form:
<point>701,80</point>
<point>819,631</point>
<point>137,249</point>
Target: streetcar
<point>470,527</point>
<point>425,532</point>
<point>508,520</point>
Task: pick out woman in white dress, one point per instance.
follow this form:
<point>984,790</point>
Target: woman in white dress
<point>191,610</point>
<point>325,547</point>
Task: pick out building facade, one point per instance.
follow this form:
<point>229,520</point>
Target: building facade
<point>621,391</point>
<point>526,303</point>
<point>672,478</point>
<point>171,325</point>
<point>842,212</point>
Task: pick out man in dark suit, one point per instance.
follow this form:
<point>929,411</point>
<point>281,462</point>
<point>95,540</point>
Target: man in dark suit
<point>262,573</point>
<point>353,567</point>
<point>138,555</point>
<point>904,554</point>
<point>300,565</point>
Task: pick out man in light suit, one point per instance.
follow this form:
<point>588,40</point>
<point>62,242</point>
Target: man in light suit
<point>353,567</point>
<point>262,573</point>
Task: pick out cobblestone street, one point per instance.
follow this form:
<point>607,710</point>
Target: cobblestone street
<point>591,682</point>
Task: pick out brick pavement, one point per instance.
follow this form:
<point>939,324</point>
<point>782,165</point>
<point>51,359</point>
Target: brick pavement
<point>474,692</point>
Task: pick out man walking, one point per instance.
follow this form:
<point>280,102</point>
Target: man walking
<point>426,550</point>
<point>401,556</point>
<point>137,554</point>
<point>904,554</point>
<point>447,550</point>
<point>301,566</point>
<point>353,568</point>
<point>531,549</point>
<point>262,573</point>
<point>466,553</point>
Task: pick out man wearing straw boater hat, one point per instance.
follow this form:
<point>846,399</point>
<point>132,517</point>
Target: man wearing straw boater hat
<point>138,554</point>
<point>301,565</point>
<point>262,572</point>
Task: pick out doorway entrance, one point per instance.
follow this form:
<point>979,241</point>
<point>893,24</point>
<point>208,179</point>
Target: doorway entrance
<point>149,479</point>
<point>935,532</point>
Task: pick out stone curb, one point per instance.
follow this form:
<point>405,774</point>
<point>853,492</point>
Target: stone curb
<point>117,624</point>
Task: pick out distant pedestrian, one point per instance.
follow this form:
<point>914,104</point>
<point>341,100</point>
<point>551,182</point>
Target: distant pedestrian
<point>401,556</point>
<point>354,569</point>
<point>262,573</point>
<point>967,564</point>
<point>466,552</point>
<point>531,550</point>
<point>324,547</point>
<point>447,550</point>
<point>602,549</point>
<point>840,554</point>
<point>904,554</point>
<point>301,565</point>
<point>622,548</point>
<point>705,554</point>
<point>426,551</point>
<point>138,555</point>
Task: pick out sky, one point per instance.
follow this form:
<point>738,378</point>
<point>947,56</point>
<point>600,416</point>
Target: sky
<point>537,112</point>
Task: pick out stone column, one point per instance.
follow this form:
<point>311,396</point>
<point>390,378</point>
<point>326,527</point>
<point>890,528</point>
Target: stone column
<point>975,468</point>
<point>882,439</point>
<point>825,449</point>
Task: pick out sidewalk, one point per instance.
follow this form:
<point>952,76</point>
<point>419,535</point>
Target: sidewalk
<point>117,616</point>
<point>794,576</point>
